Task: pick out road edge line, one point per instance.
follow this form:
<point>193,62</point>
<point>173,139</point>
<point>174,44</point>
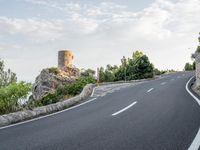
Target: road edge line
<point>38,118</point>
<point>93,91</point>
<point>191,94</point>
<point>195,144</point>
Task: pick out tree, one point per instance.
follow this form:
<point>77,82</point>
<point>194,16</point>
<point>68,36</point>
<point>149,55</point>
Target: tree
<point>157,72</point>
<point>188,67</point>
<point>137,55</point>
<point>107,75</point>
<point>101,75</point>
<point>136,67</point>
<point>88,72</point>
<point>139,67</point>
<point>143,68</point>
<point>6,76</point>
<point>194,65</point>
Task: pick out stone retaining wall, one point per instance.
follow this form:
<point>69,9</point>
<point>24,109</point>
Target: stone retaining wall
<point>44,110</point>
<point>197,61</point>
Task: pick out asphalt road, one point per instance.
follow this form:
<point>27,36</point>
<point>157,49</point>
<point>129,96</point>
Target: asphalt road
<point>154,115</point>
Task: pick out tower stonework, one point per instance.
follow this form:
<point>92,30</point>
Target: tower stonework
<point>65,58</point>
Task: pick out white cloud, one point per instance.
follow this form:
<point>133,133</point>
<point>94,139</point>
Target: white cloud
<point>164,30</point>
<point>36,30</point>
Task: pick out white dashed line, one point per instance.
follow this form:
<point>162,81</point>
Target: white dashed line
<point>150,90</point>
<point>124,109</point>
<point>163,83</point>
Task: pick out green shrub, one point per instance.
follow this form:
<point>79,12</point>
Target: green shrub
<point>10,95</point>
<point>68,90</point>
<point>76,87</point>
<point>54,70</point>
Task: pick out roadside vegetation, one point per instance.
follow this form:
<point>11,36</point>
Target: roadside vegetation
<point>136,67</point>
<point>189,67</point>
<point>11,91</point>
<point>64,92</point>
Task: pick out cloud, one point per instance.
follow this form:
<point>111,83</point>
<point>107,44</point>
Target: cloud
<point>164,30</point>
<point>36,30</point>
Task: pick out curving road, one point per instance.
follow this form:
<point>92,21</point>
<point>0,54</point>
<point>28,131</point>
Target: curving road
<point>154,115</point>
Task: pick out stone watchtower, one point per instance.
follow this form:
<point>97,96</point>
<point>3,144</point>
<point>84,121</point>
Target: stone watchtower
<point>65,58</point>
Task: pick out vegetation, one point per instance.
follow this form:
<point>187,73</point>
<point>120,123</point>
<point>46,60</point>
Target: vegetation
<point>136,67</point>
<point>189,67</point>
<point>64,92</point>
<point>10,95</point>
<point>159,72</point>
<point>53,70</point>
<point>6,76</point>
<point>10,91</point>
<point>88,72</point>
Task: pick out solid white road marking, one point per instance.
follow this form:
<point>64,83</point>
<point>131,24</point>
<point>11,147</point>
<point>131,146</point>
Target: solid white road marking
<point>124,109</point>
<point>163,83</point>
<point>150,90</point>
<point>93,91</point>
<point>195,144</point>
<point>198,101</point>
<point>16,124</point>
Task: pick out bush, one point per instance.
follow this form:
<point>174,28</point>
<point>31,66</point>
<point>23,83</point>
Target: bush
<point>53,70</point>
<point>10,95</point>
<point>68,90</point>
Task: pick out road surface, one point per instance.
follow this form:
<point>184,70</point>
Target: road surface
<point>154,115</point>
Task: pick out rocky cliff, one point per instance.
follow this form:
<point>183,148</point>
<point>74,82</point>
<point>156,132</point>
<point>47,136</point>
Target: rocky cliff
<point>52,78</point>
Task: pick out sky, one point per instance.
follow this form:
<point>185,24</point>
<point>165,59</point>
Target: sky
<point>99,32</point>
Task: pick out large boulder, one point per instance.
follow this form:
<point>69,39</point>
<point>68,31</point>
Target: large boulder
<point>52,78</point>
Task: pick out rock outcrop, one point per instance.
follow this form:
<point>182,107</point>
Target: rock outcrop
<point>52,78</point>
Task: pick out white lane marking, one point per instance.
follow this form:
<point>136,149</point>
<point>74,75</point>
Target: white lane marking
<point>186,87</point>
<point>178,77</point>
<point>16,124</point>
<point>93,91</point>
<point>183,74</point>
<point>124,109</point>
<point>172,79</point>
<point>195,144</point>
<point>150,90</point>
<point>163,83</point>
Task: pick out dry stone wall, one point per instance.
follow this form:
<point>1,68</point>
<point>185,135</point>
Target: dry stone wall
<point>197,61</point>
